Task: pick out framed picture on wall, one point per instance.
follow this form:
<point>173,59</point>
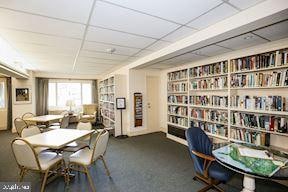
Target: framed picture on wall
<point>22,95</point>
<point>120,103</point>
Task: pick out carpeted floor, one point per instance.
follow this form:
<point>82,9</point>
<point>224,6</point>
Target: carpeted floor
<point>148,163</point>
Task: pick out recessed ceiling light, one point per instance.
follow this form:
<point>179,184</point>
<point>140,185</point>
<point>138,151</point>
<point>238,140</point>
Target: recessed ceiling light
<point>111,50</point>
<point>248,37</point>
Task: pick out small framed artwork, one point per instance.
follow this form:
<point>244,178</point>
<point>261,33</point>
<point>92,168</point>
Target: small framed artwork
<point>22,95</point>
<point>120,103</point>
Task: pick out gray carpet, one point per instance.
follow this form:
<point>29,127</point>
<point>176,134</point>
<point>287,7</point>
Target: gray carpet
<point>148,163</point>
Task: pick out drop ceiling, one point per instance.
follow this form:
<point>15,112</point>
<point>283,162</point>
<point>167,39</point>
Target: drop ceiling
<point>266,34</point>
<point>76,34</point>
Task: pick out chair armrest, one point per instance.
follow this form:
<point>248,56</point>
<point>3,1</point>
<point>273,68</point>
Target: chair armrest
<point>207,162</point>
<point>203,156</point>
<point>95,113</point>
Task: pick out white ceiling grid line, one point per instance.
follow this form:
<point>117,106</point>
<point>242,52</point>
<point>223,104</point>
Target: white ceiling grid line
<point>84,35</point>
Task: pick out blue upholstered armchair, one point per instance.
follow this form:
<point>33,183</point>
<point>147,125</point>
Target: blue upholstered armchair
<point>207,169</point>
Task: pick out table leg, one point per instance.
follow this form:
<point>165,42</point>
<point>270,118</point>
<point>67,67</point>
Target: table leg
<point>248,184</point>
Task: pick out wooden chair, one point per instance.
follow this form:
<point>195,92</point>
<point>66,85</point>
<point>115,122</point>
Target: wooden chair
<point>86,157</point>
<point>64,123</point>
<point>28,160</point>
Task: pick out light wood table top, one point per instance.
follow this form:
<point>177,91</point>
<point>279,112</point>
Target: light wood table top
<point>56,139</point>
<point>44,118</point>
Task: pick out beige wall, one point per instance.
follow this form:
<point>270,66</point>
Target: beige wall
<point>275,140</point>
<point>19,109</point>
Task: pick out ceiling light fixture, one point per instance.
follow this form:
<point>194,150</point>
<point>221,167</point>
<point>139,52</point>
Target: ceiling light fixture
<point>111,50</point>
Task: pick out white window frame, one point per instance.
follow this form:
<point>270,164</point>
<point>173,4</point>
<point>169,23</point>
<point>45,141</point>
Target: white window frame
<point>56,81</point>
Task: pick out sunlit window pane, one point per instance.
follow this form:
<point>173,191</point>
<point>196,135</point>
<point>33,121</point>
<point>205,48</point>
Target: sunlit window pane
<point>2,95</point>
<point>52,94</point>
<point>61,92</point>
<point>86,93</point>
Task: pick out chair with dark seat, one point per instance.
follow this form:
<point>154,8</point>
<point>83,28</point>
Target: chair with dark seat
<point>206,168</point>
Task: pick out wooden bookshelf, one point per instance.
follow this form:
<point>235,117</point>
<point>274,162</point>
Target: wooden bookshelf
<point>271,69</point>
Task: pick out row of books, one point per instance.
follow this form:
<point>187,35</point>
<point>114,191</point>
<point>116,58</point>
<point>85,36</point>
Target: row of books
<point>112,115</point>
<point>261,61</point>
<point>178,99</point>
<point>251,137</point>
<point>107,89</point>
<point>177,87</point>
<point>178,110</point>
<point>107,82</point>
<point>211,69</point>
<point>267,79</point>
<point>210,115</point>
<point>211,128</point>
<point>210,83</point>
<point>209,100</point>
<point>177,75</point>
<point>178,120</point>
<point>261,122</point>
<point>268,103</point>
<point>106,97</point>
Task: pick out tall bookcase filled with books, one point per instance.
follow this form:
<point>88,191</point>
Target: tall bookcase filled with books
<point>259,97</point>
<point>208,98</point>
<point>242,99</point>
<point>109,89</point>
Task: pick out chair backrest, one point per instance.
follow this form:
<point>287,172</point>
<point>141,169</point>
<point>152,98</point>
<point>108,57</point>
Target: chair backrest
<point>20,124</point>
<point>89,109</point>
<point>65,122</point>
<point>198,141</point>
<point>31,130</point>
<point>64,113</point>
<point>24,154</point>
<point>27,115</point>
<point>84,126</point>
<point>100,145</point>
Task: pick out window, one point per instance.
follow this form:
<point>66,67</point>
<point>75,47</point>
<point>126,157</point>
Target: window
<point>2,94</point>
<point>60,92</point>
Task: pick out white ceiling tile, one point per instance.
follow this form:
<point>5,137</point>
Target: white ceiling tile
<point>158,45</point>
<point>73,10</point>
<point>242,41</point>
<point>274,32</point>
<point>21,21</point>
<point>44,49</point>
<point>96,60</point>
<point>244,4</point>
<point>143,53</point>
<point>178,11</point>
<point>39,39</point>
<point>212,50</point>
<point>219,13</point>
<point>180,34</point>
<point>118,18</point>
<point>102,55</point>
<point>104,47</point>
<point>117,38</point>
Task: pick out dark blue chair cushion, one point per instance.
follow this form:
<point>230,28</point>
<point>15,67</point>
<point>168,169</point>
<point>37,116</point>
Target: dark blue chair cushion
<point>200,142</point>
<point>220,173</point>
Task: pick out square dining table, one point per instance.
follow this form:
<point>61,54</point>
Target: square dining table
<point>44,119</point>
<point>57,139</point>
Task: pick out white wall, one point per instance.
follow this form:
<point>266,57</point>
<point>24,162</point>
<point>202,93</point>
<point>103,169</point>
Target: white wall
<point>283,43</point>
<point>137,83</point>
<point>19,109</point>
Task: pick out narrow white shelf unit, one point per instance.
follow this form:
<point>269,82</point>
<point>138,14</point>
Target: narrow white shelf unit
<point>109,89</point>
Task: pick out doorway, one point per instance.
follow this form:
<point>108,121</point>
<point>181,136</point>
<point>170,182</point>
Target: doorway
<point>3,104</point>
<point>152,86</point>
